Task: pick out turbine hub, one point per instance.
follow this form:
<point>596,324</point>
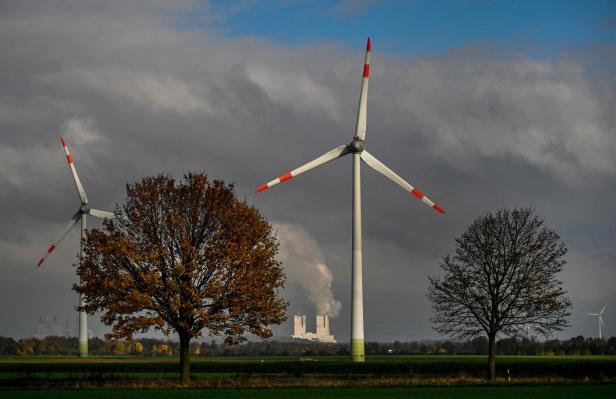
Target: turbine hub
<point>356,146</point>
<point>85,208</point>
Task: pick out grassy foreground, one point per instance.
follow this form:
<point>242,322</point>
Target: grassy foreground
<point>322,377</point>
<point>497,392</point>
<point>575,367</point>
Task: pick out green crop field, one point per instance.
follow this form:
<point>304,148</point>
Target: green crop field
<point>564,366</point>
<point>604,391</point>
<point>322,377</point>
<point>418,359</point>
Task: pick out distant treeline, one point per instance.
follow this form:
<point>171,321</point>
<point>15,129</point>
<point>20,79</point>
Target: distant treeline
<point>154,347</point>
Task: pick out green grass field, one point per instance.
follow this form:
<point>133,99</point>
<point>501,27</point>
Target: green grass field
<point>154,367</point>
<point>257,359</point>
<point>318,377</point>
<point>604,391</point>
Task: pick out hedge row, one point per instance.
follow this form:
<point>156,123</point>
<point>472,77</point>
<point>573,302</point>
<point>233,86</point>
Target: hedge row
<point>573,368</point>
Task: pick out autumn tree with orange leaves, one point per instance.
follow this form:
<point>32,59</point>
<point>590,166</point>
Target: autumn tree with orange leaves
<point>183,256</point>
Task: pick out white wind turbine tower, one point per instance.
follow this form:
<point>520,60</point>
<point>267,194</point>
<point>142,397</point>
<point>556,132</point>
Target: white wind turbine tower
<point>599,318</point>
<point>356,147</point>
<point>80,215</point>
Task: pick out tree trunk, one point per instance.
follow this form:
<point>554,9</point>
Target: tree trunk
<point>185,359</point>
<point>491,356</point>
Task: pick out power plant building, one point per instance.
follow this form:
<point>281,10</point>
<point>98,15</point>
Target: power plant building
<point>322,334</point>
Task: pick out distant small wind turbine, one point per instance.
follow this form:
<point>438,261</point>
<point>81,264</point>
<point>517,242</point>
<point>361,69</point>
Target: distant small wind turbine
<point>599,318</point>
<point>80,215</point>
<point>356,148</point>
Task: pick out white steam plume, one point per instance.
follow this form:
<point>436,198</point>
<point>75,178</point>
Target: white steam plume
<point>303,262</point>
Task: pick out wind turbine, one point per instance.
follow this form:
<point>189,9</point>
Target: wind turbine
<point>599,318</point>
<point>80,215</point>
<point>356,147</point>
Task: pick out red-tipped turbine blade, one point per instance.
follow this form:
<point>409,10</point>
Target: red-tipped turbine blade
<point>71,165</point>
<point>362,112</point>
<point>377,165</point>
<point>68,228</point>
<point>323,159</point>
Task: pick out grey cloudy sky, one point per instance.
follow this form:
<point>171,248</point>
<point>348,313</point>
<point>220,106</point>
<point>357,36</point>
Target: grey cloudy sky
<point>475,127</point>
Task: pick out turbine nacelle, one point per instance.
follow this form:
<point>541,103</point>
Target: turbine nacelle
<point>356,146</point>
<point>85,208</point>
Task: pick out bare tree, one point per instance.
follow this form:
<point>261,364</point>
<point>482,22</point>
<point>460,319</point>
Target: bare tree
<point>501,279</point>
<point>181,257</point>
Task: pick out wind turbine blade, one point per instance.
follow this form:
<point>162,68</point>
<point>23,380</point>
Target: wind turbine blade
<point>601,320</point>
<point>68,228</point>
<point>323,159</point>
<point>381,168</point>
<point>593,314</point>
<point>602,309</point>
<point>71,165</point>
<point>101,214</point>
<point>360,128</point>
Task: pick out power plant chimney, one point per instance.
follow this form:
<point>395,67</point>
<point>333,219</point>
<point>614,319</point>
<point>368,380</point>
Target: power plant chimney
<point>322,335</point>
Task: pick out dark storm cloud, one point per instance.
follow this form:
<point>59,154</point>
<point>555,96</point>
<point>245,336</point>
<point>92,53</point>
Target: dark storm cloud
<point>136,95</point>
